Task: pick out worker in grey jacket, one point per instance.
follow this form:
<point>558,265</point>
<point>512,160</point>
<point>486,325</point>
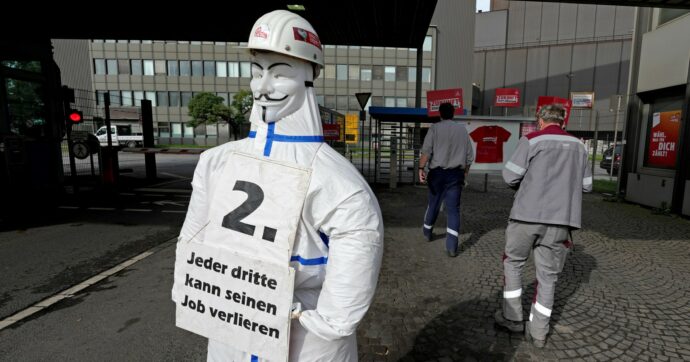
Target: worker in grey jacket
<point>549,170</point>
<point>447,151</point>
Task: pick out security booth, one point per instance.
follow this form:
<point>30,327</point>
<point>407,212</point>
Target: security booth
<point>32,124</point>
<point>656,153</point>
<point>401,131</point>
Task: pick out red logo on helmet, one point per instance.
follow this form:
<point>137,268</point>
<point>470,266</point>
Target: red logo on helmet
<point>307,37</point>
<point>261,33</point>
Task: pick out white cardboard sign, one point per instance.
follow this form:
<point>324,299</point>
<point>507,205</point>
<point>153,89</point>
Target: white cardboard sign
<point>256,207</point>
<point>235,285</point>
<point>235,299</point>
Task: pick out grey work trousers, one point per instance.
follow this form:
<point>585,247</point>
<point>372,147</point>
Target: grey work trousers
<point>551,247</point>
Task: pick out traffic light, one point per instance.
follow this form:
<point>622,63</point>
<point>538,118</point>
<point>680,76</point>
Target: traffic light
<point>74,116</point>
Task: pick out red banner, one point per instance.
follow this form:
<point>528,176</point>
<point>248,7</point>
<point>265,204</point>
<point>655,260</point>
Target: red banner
<point>437,97</point>
<point>507,97</point>
<point>545,100</point>
<point>663,139</point>
<point>331,132</point>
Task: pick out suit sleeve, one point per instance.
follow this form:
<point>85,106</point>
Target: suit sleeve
<point>516,167</point>
<point>355,229</point>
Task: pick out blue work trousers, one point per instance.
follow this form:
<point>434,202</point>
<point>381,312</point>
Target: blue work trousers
<point>445,185</point>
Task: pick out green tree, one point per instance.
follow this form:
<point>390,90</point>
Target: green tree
<point>208,108</point>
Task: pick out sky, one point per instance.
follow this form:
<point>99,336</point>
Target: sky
<point>483,5</point>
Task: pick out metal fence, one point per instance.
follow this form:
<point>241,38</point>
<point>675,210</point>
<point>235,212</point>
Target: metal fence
<point>81,161</point>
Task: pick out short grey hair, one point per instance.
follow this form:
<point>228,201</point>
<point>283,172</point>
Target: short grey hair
<point>552,113</point>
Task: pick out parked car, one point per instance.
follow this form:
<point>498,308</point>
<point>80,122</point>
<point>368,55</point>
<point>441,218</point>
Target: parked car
<point>609,159</point>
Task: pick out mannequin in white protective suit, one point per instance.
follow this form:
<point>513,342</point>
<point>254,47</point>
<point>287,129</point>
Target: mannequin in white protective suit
<point>339,241</point>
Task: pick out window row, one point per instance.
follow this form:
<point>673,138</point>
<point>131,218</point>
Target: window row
<point>376,72</point>
<point>157,98</point>
<point>172,67</point>
<point>224,69</point>
<point>350,103</point>
<point>426,46</point>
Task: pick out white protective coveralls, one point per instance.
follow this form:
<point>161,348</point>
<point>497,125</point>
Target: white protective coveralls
<point>339,241</point>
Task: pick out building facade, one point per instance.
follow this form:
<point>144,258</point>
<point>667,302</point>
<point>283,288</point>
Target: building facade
<point>656,156</point>
<point>545,48</point>
<point>170,73</point>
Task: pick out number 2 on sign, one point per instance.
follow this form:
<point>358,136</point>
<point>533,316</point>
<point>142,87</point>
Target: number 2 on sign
<point>233,220</point>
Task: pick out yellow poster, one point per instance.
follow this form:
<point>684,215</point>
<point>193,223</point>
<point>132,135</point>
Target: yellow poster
<point>351,128</point>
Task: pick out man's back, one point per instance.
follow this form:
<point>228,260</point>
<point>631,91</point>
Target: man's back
<point>551,168</point>
<point>449,145</point>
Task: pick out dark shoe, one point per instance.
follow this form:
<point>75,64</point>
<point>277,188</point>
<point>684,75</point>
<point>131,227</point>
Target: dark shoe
<point>512,326</point>
<point>538,343</point>
<point>428,234</point>
<point>452,253</point>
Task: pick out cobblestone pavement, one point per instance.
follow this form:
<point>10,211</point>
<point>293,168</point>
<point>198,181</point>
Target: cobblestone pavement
<point>624,293</point>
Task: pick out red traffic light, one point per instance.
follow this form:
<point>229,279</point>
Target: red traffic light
<point>75,116</point>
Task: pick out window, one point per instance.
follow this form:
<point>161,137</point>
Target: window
<point>174,98</point>
<point>319,100</point>
<point>224,96</point>
<point>115,98</point>
<point>148,67</point>
<point>341,72</point>
<point>173,68</point>
<point>330,102</point>
<point>197,68</point>
<point>401,102</point>
<point>138,96</point>
<point>137,67</point>
<point>667,14</point>
<point>112,66</point>
<point>342,103</point>
<point>123,66</point>
<point>188,131</point>
<point>186,97</point>
<point>245,70</point>
<point>426,75</point>
<point>377,72</point>
<point>365,74</point>
<point>126,98</point>
<point>411,74</point>
<point>390,74</point>
<point>99,66</point>
<point>233,69</point>
<point>160,66</point>
<point>427,44</point>
<point>185,68</point>
<point>164,130</point>
<point>100,97</point>
<point>162,99</point>
<point>176,129</point>
<point>152,97</point>
<point>377,101</point>
<point>330,71</point>
<point>389,101</point>
<point>401,74</point>
<point>354,72</point>
<point>221,69</point>
<point>209,68</point>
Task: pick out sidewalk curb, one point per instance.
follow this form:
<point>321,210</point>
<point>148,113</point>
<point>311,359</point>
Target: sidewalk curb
<point>72,291</point>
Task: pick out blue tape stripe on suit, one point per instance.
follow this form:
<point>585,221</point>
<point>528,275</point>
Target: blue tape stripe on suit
<point>314,261</point>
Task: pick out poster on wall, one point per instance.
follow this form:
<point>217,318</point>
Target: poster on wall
<point>489,140</point>
<point>663,139</point>
<point>434,98</point>
<point>507,97</point>
<point>582,99</point>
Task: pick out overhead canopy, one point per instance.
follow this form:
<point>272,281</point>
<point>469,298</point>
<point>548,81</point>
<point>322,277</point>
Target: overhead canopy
<point>386,23</point>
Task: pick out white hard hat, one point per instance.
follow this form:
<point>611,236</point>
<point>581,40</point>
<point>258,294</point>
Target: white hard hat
<point>287,33</point>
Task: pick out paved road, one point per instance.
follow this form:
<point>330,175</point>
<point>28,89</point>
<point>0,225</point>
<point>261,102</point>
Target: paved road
<point>624,294</point>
